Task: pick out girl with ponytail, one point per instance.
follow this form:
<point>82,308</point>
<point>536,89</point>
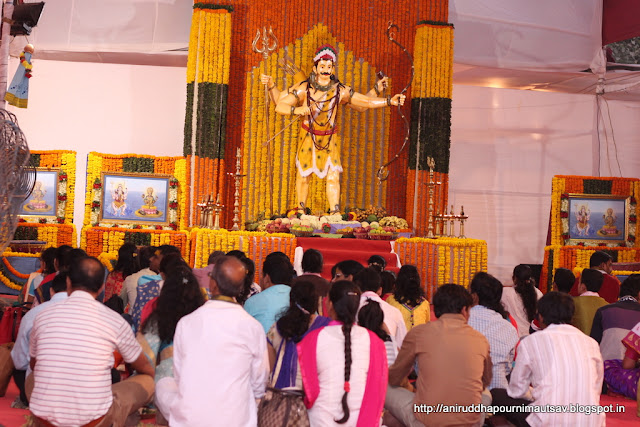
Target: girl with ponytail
<point>343,358</point>
<point>521,299</point>
<point>299,319</point>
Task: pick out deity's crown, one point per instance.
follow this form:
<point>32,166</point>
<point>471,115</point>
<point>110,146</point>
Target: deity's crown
<point>326,52</point>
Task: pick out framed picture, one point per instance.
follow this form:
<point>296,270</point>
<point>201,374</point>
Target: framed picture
<point>43,201</point>
<point>598,218</point>
<point>134,198</point>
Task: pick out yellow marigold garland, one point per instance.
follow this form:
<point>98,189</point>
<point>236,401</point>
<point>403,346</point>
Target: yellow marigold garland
<point>443,260</point>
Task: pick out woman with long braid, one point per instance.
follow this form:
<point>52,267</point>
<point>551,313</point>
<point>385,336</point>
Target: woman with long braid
<point>521,299</point>
<point>361,380</point>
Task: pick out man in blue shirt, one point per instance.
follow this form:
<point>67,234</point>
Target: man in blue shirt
<point>267,306</point>
<point>20,352</point>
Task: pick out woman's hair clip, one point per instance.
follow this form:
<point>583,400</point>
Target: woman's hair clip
<point>352,294</point>
<point>302,309</point>
<point>185,280</point>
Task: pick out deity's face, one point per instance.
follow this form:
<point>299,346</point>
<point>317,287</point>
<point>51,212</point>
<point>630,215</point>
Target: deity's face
<point>323,69</point>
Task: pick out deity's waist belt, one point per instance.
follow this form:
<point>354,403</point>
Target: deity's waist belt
<point>320,132</point>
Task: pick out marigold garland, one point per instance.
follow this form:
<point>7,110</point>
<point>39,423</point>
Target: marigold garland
<point>577,257</point>
<point>98,240</point>
<point>442,260</point>
<point>99,162</point>
<point>7,267</point>
<point>65,161</point>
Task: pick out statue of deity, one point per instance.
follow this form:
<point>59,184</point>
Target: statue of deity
<point>317,99</point>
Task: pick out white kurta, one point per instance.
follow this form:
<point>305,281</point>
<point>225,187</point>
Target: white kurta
<point>221,367</point>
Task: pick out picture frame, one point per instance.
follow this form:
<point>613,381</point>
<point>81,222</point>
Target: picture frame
<point>134,198</point>
<point>598,219</point>
<point>42,203</point>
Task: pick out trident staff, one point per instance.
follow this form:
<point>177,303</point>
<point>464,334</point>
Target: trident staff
<point>269,44</point>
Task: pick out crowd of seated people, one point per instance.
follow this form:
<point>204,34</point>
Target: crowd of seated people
<point>210,346</point>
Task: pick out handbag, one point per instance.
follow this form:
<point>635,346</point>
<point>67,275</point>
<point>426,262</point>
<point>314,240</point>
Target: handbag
<point>282,408</point>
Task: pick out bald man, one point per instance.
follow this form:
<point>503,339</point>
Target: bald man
<point>220,358</point>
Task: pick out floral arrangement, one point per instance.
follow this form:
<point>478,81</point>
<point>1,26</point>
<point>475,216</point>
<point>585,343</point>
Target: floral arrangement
<point>562,186</point>
<point>557,255</point>
<point>430,117</point>
<point>577,257</point>
<point>107,240</point>
<point>11,277</point>
<point>65,161</point>
<point>208,65</point>
<point>178,194</point>
<point>256,245</point>
<point>443,260</point>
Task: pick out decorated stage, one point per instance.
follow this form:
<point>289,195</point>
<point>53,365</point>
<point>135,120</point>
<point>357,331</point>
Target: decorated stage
<point>440,261</point>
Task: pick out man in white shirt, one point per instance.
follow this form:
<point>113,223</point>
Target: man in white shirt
<point>370,283</point>
<point>72,346</point>
<point>220,359</point>
<point>561,364</point>
<point>20,352</point>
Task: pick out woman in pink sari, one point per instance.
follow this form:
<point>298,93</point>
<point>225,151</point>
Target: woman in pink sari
<point>343,366</point>
<point>622,376</point>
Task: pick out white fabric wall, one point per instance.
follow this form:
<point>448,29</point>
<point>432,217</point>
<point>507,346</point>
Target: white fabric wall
<point>619,150</point>
<point>506,145</point>
<point>107,108</point>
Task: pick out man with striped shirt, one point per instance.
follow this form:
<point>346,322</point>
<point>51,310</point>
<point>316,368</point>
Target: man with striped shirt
<point>72,346</point>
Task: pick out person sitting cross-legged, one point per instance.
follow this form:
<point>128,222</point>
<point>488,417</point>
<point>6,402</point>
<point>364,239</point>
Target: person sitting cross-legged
<point>561,366</point>
<point>370,283</point>
<point>20,351</point>
<point>344,366</point>
<point>149,290</point>
<point>220,360</point>
<point>267,306</point>
<point>409,298</point>
<point>72,346</point>
<point>603,262</point>
<point>489,317</point>
<point>312,262</point>
<point>589,301</point>
<point>614,321</point>
<point>453,364</point>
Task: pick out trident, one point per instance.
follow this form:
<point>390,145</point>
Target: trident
<point>269,44</point>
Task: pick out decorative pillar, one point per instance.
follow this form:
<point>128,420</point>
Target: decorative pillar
<point>207,92</point>
<point>430,116</point>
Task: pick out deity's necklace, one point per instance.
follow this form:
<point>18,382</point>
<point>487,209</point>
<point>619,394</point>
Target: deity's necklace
<point>317,86</point>
<point>333,103</point>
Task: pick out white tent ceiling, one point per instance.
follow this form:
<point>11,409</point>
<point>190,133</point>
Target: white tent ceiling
<point>544,45</point>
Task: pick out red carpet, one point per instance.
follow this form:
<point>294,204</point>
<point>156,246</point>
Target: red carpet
<point>336,250</point>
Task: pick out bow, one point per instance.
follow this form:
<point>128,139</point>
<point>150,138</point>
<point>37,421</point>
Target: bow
<point>383,171</point>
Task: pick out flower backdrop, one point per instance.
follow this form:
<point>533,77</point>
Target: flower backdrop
<point>360,25</point>
<point>364,135</point>
<point>97,238</point>
<point>443,260</point>
<point>207,93</point>
<point>557,255</point>
<point>430,120</point>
